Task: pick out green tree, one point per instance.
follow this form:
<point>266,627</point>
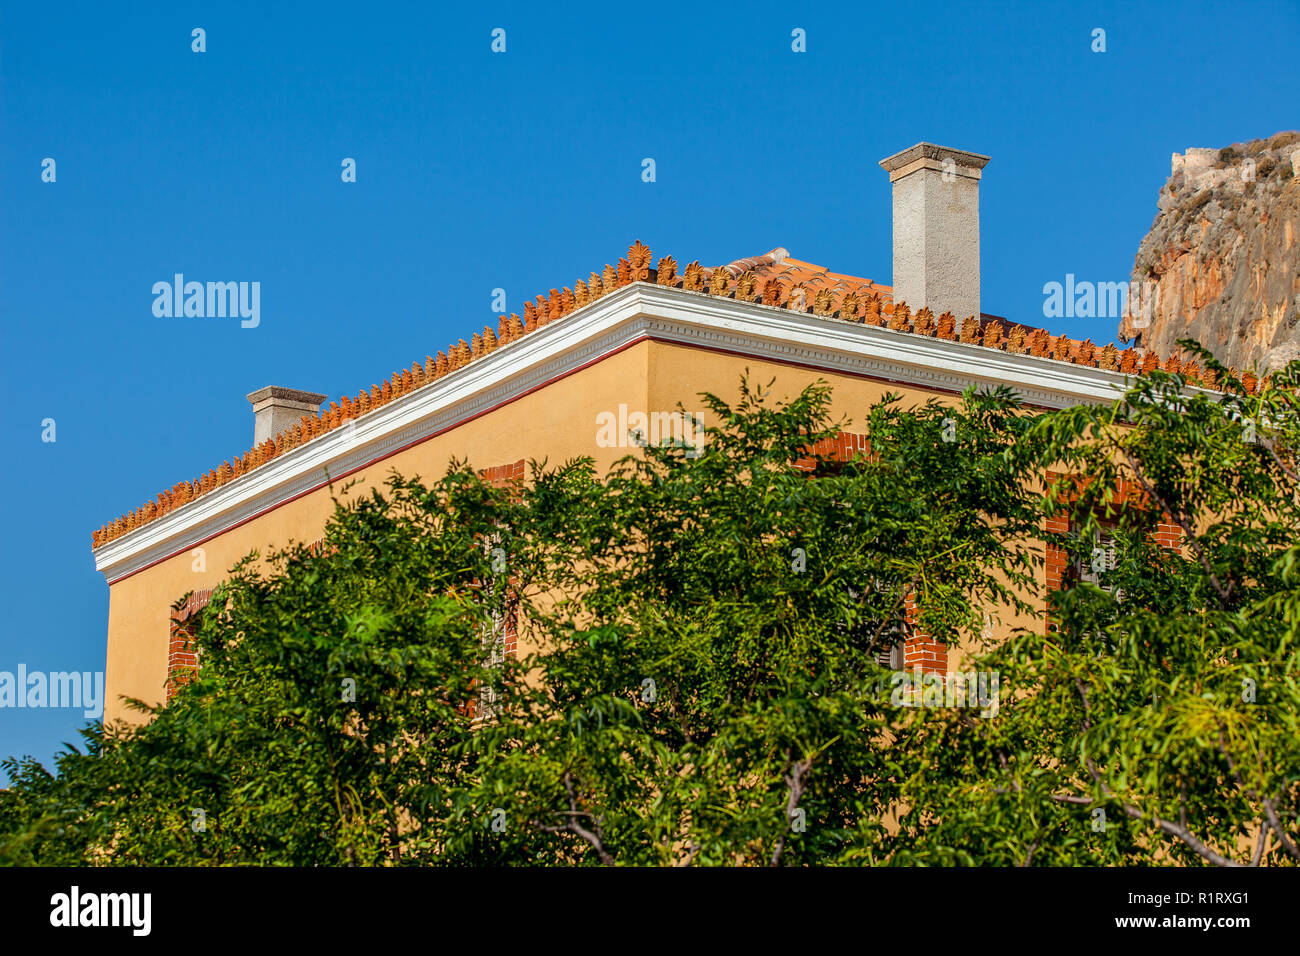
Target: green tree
<point>712,691</point>
<point>330,721</point>
<point>1156,722</point>
<point>710,681</point>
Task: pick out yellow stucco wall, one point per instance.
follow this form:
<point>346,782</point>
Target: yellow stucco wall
<point>556,423</point>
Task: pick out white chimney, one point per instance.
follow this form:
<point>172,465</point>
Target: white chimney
<point>276,409</point>
<point>937,228</point>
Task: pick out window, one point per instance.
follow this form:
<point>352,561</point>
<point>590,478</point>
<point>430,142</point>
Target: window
<point>1092,564</point>
<point>1093,567</point>
<point>892,652</point>
<point>889,646</point>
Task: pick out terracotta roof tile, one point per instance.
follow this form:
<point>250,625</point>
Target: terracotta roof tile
<point>774,278</point>
<point>778,265</point>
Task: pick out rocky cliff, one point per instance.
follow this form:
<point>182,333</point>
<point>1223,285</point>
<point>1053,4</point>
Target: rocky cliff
<point>1221,263</point>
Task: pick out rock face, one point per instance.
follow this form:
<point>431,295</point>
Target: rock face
<point>1221,263</point>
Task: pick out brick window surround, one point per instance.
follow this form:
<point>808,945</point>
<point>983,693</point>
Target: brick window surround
<point>504,476</point>
<point>182,660</point>
<point>842,447</point>
<point>182,656</point>
<point>1167,533</point>
<point>509,476</point>
<point>919,649</point>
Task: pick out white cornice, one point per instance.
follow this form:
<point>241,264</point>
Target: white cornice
<point>840,346</point>
<point>634,312</point>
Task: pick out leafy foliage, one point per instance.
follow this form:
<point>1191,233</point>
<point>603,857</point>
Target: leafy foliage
<point>707,681</point>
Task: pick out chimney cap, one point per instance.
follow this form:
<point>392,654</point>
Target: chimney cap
<point>284,396</point>
<point>277,409</point>
<point>960,157</point>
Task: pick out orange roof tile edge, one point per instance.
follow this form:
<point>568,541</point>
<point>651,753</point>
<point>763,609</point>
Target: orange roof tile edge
<point>773,279</point>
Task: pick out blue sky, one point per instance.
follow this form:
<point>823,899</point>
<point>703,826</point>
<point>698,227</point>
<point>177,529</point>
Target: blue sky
<point>519,170</point>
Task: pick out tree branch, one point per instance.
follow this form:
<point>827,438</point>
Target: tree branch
<point>1277,828</point>
<point>1258,855</point>
<point>573,826</point>
<point>1269,810</point>
<point>1173,829</point>
<point>794,780</point>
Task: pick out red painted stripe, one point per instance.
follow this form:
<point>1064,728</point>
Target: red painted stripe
<point>375,461</point>
<point>551,381</point>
